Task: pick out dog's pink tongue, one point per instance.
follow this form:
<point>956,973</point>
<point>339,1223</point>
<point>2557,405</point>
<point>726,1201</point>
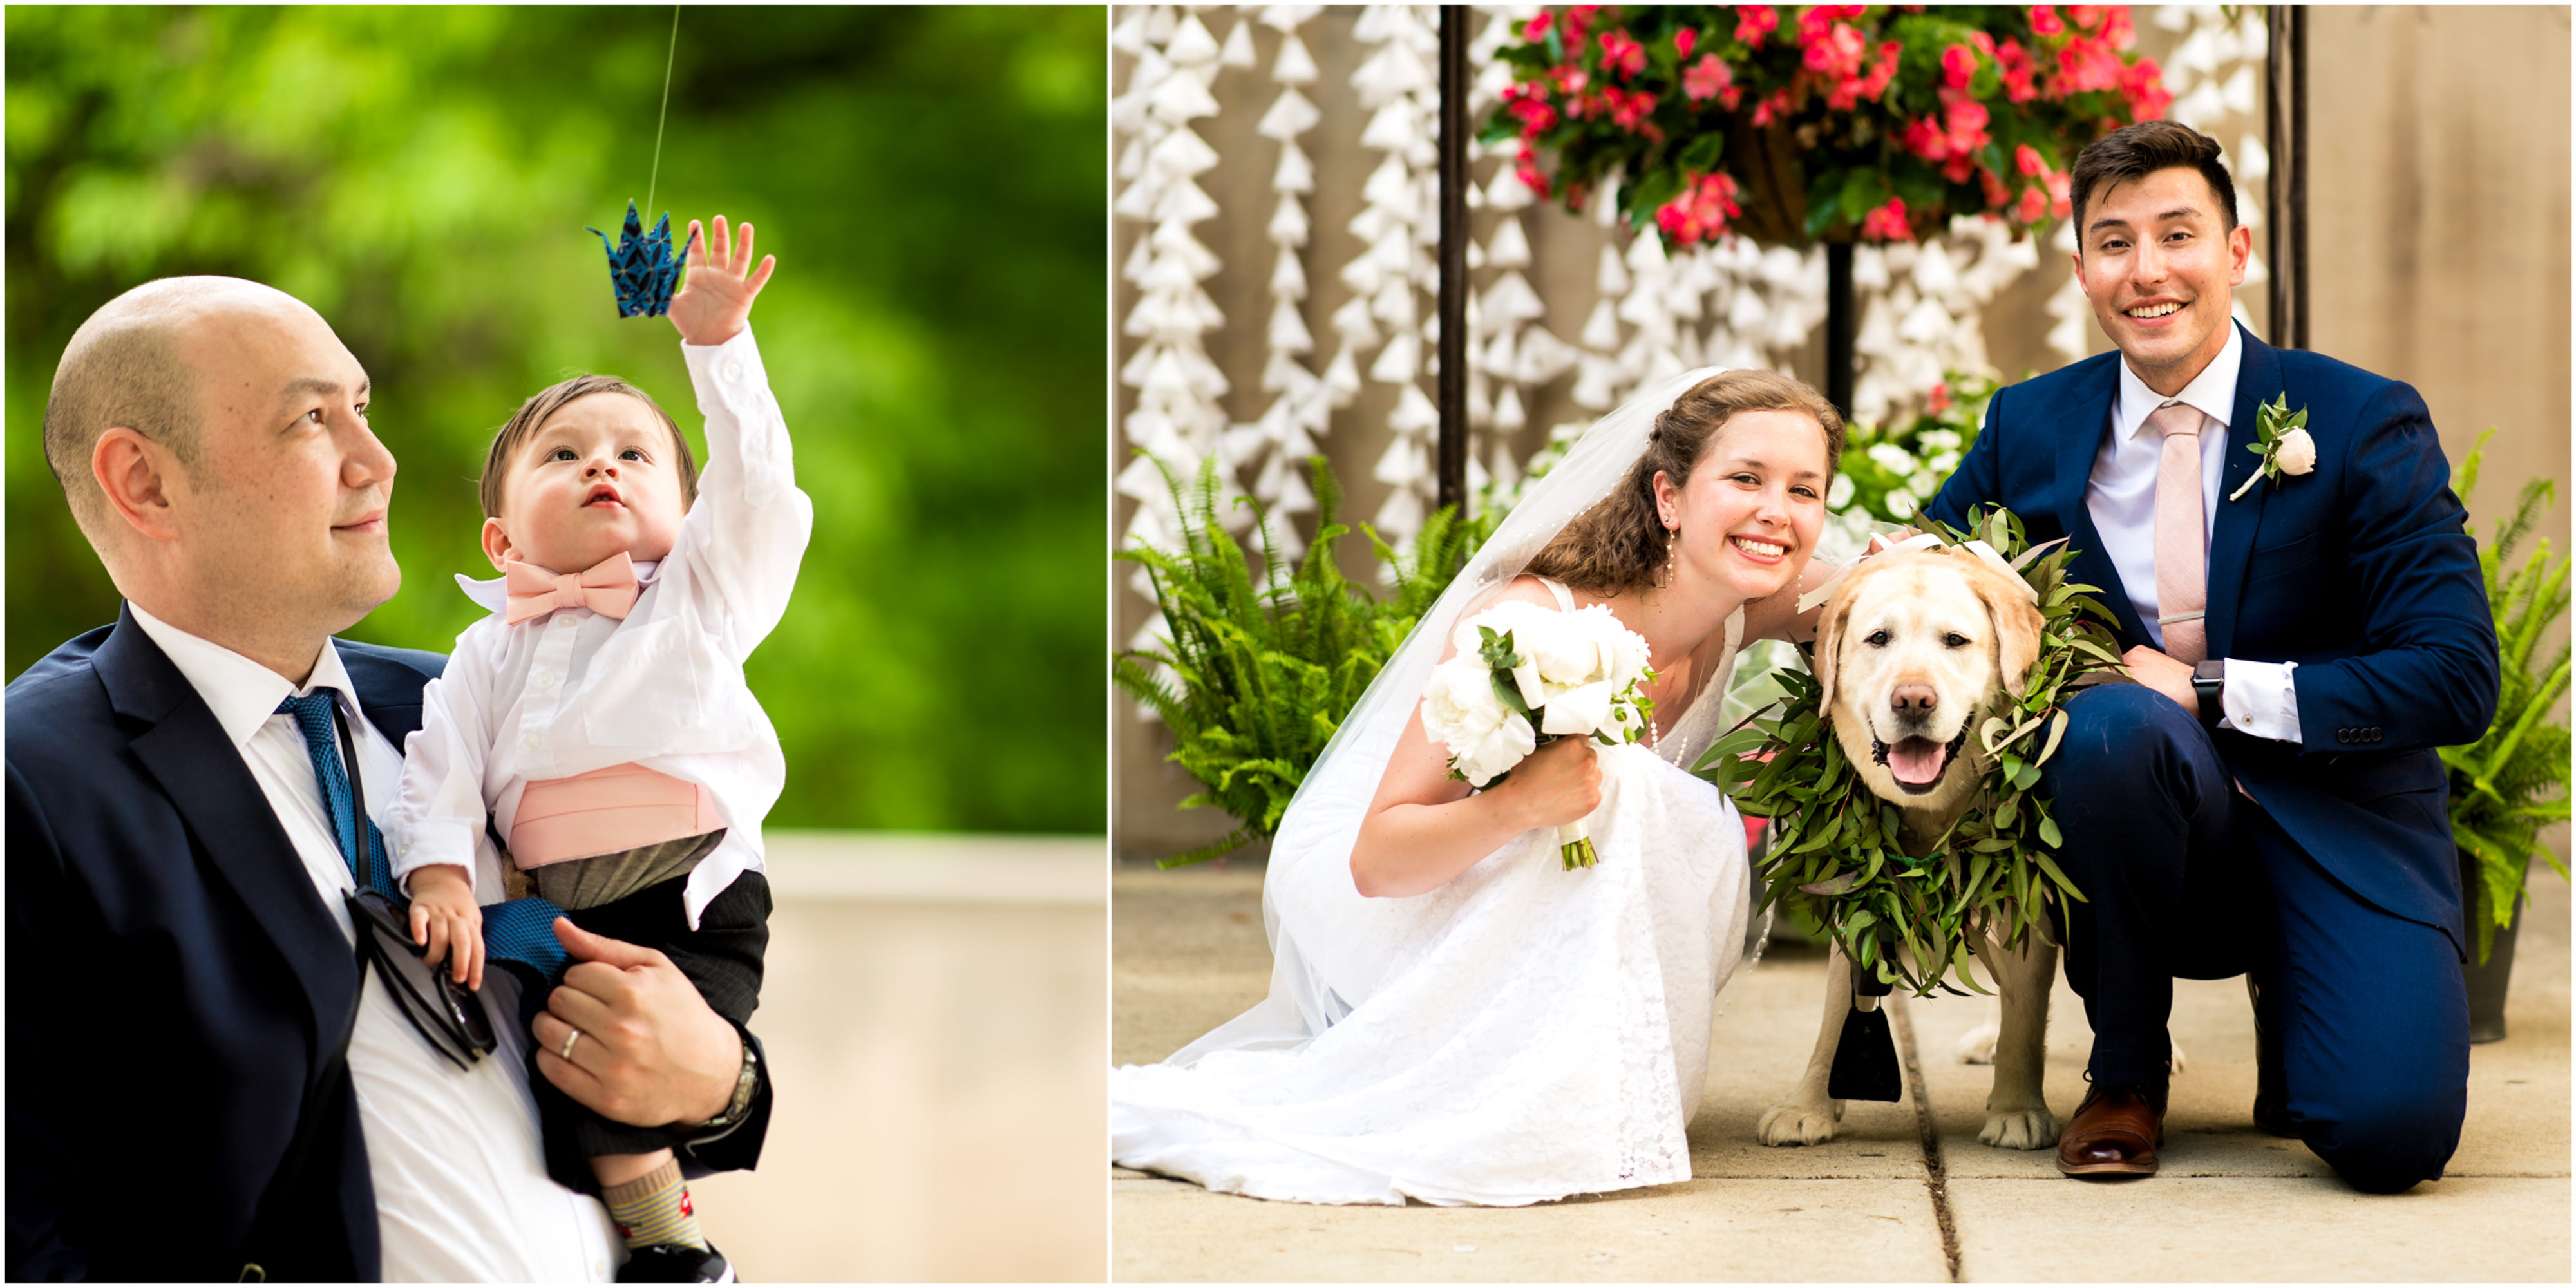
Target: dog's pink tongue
<point>1916,760</point>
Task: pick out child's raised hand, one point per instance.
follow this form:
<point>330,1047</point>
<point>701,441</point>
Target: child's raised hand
<point>715,299</point>
<point>444,917</point>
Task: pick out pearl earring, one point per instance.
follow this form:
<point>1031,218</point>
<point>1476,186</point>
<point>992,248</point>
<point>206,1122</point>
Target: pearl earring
<point>1672,542</point>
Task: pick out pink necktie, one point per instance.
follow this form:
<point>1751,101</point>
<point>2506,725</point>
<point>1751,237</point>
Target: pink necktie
<point>606,588</point>
<point>2182,579</point>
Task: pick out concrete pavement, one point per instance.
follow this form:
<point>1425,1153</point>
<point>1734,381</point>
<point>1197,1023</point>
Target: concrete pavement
<point>2231,1203</point>
<point>932,1015</point>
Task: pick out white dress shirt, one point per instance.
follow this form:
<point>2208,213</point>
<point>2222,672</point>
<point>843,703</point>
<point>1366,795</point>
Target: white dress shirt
<point>462,1193</point>
<point>2121,497</point>
<point>572,691</point>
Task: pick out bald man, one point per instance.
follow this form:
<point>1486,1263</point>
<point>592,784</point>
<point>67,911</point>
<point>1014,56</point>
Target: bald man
<point>182,984</point>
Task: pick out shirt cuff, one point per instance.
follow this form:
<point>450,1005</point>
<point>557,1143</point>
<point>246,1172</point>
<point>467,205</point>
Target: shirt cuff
<point>2261,700</point>
<point>422,844</point>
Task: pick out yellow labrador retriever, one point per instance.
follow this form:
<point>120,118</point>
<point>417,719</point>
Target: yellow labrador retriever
<point>1915,649</point>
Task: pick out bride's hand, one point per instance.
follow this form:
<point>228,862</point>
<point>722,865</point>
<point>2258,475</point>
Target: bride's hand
<point>1555,785</point>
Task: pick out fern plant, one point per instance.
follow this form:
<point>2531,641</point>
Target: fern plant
<point>2511,783</point>
<point>1258,674</point>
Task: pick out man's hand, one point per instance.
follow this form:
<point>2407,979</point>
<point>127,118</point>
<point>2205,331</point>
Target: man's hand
<point>715,299</point>
<point>651,1053</point>
<point>2165,674</point>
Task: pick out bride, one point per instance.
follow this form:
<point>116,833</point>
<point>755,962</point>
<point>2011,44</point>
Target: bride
<point>1453,1017</point>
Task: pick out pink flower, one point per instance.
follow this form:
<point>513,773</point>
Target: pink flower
<point>1536,30</point>
<point>2116,31</point>
<point>1773,108</point>
<point>1940,399</point>
<point>1887,223</point>
<point>1958,66</point>
<point>1536,115</point>
<point>2084,15</point>
<point>2143,85</point>
<point>1683,40</point>
<point>1629,109</point>
<point>1923,137</point>
<point>1707,78</point>
<point>1753,22</point>
<point>1702,209</point>
<point>2033,205</point>
<point>2044,21</point>
<point>2060,196</point>
<point>2027,159</point>
<point>1996,196</point>
<point>1620,52</point>
<point>1570,79</point>
<point>2087,64</point>
<point>2014,62</point>
<point>1836,52</point>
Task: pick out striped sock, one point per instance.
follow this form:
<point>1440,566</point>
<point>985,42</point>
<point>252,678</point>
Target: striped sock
<point>654,1208</point>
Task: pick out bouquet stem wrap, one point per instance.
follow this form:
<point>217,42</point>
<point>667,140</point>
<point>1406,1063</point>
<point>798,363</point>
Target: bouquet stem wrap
<point>1574,841</point>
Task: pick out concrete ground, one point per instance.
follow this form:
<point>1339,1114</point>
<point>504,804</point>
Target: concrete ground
<point>1876,1204</point>
<point>932,1015</point>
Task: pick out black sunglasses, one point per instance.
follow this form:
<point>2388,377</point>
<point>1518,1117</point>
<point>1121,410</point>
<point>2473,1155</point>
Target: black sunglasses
<point>449,1018</point>
<point>440,1010</point>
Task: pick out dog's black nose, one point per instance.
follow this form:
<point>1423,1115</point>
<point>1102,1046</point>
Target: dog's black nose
<point>1913,701</point>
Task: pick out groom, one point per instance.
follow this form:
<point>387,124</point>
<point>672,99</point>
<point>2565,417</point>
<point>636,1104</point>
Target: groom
<point>2266,801</point>
<point>180,965</point>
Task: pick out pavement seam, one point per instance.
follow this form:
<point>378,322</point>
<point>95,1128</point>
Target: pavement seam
<point>1936,1177</point>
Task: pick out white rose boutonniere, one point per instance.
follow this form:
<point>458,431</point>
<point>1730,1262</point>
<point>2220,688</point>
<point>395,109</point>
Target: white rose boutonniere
<point>2282,442</point>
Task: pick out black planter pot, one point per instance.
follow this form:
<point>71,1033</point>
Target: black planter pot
<point>2486,982</point>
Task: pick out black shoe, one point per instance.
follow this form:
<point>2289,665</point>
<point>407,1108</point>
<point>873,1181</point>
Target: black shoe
<point>673,1263</point>
<point>2271,1094</point>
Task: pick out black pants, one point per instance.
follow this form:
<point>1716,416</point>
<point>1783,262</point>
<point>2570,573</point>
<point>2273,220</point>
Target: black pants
<point>722,957</point>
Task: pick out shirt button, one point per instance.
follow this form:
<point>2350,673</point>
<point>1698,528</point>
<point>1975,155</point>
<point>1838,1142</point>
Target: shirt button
<point>545,679</point>
<point>532,742</point>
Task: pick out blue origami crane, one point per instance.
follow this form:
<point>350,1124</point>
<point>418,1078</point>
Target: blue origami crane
<point>642,266</point>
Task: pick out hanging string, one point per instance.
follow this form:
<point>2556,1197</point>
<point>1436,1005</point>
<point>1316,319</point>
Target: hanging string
<point>667,59</point>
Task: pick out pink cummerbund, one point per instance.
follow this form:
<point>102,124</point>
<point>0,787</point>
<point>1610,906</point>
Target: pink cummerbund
<point>606,811</point>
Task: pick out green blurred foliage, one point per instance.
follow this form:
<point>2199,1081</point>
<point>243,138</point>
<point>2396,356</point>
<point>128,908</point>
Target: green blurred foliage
<point>932,181</point>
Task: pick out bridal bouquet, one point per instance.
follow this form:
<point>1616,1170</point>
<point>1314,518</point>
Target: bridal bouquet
<point>1525,676</point>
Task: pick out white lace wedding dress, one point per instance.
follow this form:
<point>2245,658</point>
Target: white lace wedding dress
<point>1521,1034</point>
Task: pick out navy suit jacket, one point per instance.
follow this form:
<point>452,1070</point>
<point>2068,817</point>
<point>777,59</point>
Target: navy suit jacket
<point>2361,572</point>
<point>176,985</point>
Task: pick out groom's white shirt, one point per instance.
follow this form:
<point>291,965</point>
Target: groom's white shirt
<point>462,1193</point>
<point>2121,497</point>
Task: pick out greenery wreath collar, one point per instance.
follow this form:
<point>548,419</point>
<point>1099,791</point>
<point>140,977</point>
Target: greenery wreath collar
<point>1835,856</point>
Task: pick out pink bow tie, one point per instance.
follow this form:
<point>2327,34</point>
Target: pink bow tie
<point>606,588</point>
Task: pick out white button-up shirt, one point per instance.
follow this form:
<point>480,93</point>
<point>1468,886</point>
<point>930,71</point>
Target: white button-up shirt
<point>572,691</point>
<point>2122,500</point>
<point>462,1194</point>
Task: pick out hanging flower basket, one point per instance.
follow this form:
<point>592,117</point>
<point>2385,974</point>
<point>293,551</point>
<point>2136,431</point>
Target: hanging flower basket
<point>1797,124</point>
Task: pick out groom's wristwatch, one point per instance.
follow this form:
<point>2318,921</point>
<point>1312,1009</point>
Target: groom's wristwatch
<point>2209,684</point>
<point>746,1084</point>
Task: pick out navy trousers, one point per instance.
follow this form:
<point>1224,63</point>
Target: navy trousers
<point>2186,877</point>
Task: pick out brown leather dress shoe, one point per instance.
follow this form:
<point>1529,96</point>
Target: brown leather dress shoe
<point>2115,1131</point>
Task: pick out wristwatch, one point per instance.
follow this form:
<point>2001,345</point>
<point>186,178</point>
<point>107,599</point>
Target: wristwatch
<point>2209,684</point>
<point>746,1084</point>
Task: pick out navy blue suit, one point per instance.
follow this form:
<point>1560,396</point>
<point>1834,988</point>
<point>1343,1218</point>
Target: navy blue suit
<point>176,985</point>
<point>2363,574</point>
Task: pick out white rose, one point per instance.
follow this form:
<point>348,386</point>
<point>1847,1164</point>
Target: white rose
<point>1628,658</point>
<point>1459,706</point>
<point>2295,452</point>
<point>1579,710</point>
<point>1506,745</point>
<point>1568,650</point>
